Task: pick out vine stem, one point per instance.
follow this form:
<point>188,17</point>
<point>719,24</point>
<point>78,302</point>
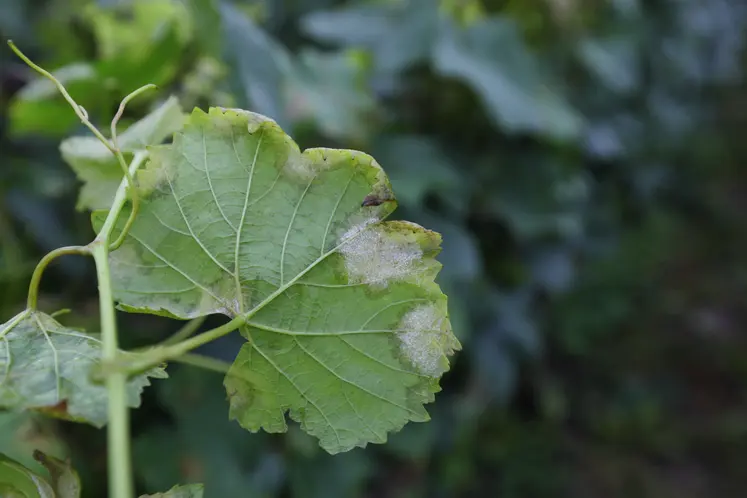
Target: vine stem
<point>118,428</point>
<point>134,195</point>
<point>79,110</point>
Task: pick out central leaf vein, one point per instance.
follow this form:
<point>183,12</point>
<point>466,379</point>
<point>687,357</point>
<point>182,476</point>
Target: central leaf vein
<point>290,225</point>
<point>237,248</point>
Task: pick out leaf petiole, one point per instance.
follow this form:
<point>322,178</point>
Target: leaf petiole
<point>204,362</point>
<point>187,331</point>
<point>39,270</point>
<point>144,360</point>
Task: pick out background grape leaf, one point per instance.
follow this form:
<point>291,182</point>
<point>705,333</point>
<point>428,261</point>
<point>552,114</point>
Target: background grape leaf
<point>64,479</point>
<point>348,331</point>
<point>16,481</point>
<point>188,491</point>
<point>97,167</point>
<point>47,367</point>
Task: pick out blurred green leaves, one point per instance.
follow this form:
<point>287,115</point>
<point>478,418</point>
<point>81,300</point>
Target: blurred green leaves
<point>138,43</point>
<point>490,56</point>
<point>260,63</point>
<point>583,163</point>
<point>188,491</point>
<point>16,481</point>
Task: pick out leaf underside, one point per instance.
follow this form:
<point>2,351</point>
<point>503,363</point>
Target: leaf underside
<point>47,367</point>
<point>347,330</point>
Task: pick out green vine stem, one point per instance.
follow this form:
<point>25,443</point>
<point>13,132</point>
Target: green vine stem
<point>118,428</point>
<point>79,110</point>
<point>31,303</point>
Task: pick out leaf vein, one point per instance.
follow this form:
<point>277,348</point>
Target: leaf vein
<point>302,393</point>
<point>350,382</point>
<point>55,359</point>
<point>175,268</point>
<point>195,237</point>
<point>237,248</point>
<point>287,232</point>
<point>210,182</point>
<point>334,212</point>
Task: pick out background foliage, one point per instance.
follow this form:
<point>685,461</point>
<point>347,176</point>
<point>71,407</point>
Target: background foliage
<point>584,161</point>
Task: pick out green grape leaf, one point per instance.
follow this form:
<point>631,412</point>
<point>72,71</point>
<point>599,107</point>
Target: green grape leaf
<point>65,480</point>
<point>47,367</point>
<point>347,330</point>
<point>188,491</point>
<point>492,57</point>
<point>97,167</point>
<point>128,30</point>
<point>16,481</point>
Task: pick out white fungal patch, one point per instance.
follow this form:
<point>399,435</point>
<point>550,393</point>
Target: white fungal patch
<point>373,256</point>
<point>357,228</point>
<point>421,339</point>
<point>299,167</point>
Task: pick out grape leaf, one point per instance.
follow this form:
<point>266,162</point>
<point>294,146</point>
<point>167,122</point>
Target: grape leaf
<point>97,167</point>
<point>46,367</point>
<point>64,480</point>
<point>16,481</point>
<point>491,56</point>
<point>188,491</point>
<point>347,330</point>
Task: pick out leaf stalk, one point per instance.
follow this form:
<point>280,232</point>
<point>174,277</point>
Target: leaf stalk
<point>33,296</point>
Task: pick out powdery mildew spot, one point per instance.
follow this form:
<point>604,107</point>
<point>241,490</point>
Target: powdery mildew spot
<point>420,339</point>
<point>299,167</point>
<point>373,257</point>
<point>357,228</point>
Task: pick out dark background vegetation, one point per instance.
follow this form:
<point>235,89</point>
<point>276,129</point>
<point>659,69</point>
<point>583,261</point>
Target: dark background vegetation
<point>584,160</point>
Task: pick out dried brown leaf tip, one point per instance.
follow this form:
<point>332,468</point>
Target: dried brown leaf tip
<point>373,200</point>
